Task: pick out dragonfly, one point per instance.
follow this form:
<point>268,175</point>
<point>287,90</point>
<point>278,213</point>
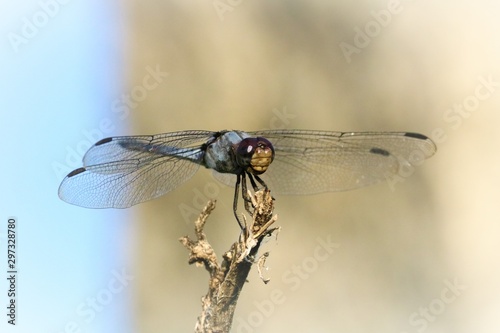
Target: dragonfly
<point>119,172</point>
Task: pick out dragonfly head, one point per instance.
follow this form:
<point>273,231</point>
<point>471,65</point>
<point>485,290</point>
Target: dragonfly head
<point>255,155</point>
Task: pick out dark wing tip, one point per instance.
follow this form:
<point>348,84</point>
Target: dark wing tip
<point>416,136</point>
<point>103,141</point>
<point>379,151</point>
<point>76,172</point>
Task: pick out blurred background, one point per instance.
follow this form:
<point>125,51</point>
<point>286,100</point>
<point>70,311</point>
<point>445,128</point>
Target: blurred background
<point>421,254</point>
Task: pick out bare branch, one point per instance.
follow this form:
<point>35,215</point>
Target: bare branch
<point>227,279</point>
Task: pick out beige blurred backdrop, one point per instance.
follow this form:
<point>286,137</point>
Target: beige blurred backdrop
<point>421,255</point>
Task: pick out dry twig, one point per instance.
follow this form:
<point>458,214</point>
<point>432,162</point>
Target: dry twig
<point>227,279</point>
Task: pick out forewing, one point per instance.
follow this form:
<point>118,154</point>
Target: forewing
<point>308,162</point>
<point>123,148</point>
<point>124,171</point>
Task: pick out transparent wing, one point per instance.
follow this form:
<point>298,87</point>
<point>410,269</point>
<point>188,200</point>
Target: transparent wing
<point>120,172</point>
<point>308,162</point>
<point>124,148</point>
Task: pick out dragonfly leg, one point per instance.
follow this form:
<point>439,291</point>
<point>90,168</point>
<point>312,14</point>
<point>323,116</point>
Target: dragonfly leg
<point>242,179</point>
<point>252,181</point>
<point>261,182</point>
<point>235,200</point>
<point>244,193</point>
